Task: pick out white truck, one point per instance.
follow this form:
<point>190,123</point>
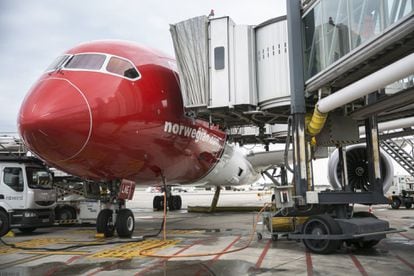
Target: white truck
<point>402,192</point>
<point>73,204</point>
<point>27,197</point>
<point>76,209</point>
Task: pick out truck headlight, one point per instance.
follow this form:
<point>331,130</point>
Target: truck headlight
<point>29,214</point>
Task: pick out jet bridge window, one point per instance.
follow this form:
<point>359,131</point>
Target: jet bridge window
<point>86,61</point>
<point>13,177</point>
<point>219,58</point>
<point>122,67</point>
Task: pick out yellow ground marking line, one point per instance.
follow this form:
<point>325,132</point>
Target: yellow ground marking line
<point>133,249</point>
<point>180,232</point>
<point>30,244</point>
<point>83,242</point>
<point>6,250</point>
<point>57,252</point>
<point>39,242</point>
<point>84,231</point>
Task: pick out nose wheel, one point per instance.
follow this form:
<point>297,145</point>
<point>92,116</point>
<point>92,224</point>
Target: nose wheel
<point>104,223</point>
<point>124,223</point>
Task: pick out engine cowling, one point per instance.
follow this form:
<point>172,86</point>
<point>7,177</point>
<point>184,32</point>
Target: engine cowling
<point>232,169</point>
<point>357,165</point>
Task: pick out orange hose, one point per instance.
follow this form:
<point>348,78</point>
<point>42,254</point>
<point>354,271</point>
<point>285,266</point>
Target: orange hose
<point>143,252</point>
<point>165,216</point>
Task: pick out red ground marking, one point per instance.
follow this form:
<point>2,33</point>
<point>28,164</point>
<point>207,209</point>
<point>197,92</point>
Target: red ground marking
<point>358,265</point>
<point>309,265</point>
<point>69,261</point>
<point>405,236</point>
<point>262,256</point>
<point>405,262</point>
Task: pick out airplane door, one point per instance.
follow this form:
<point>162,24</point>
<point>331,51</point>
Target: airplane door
<point>12,187</point>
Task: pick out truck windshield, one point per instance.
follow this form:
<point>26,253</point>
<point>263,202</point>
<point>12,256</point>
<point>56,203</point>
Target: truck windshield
<point>38,178</point>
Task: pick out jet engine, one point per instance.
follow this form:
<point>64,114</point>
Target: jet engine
<point>233,168</point>
<point>357,166</point>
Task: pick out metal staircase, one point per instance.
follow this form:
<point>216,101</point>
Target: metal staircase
<point>397,149</point>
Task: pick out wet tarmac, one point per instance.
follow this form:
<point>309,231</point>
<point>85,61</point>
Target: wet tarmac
<point>191,233</point>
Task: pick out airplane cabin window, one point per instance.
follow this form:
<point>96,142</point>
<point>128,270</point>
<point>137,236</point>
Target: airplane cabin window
<point>86,61</point>
<point>122,67</point>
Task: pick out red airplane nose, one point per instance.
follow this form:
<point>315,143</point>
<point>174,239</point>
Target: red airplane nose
<point>55,120</point>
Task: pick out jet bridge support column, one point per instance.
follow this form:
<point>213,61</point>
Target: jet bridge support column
<point>372,140</point>
<point>298,108</point>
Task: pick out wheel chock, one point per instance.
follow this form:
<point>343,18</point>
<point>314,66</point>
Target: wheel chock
<point>100,235</point>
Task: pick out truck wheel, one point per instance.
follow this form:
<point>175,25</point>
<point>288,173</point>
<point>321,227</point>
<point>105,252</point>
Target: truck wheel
<point>104,223</point>
<point>27,230</point>
<point>408,205</point>
<point>4,223</point>
<point>65,213</point>
<point>396,203</point>
<point>125,223</point>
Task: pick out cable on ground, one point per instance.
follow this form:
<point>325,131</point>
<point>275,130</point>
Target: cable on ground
<point>203,254</point>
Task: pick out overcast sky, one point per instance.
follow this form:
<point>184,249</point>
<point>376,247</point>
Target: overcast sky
<point>33,33</point>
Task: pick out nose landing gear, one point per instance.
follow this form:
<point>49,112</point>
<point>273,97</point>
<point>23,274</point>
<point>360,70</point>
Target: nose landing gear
<point>124,223</point>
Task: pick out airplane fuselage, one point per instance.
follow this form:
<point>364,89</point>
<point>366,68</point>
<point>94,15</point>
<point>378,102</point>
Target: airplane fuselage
<point>89,118</point>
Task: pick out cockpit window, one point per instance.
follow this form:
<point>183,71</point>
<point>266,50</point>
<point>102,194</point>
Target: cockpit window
<point>86,61</point>
<point>58,62</point>
<point>122,67</point>
<point>98,62</point>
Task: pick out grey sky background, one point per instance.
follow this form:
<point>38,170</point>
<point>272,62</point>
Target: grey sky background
<point>34,33</point>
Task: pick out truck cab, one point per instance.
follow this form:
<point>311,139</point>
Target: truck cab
<point>27,197</point>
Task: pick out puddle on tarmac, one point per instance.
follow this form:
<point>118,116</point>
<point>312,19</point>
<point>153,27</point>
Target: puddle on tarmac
<point>56,268</point>
<point>129,267</point>
<point>220,267</point>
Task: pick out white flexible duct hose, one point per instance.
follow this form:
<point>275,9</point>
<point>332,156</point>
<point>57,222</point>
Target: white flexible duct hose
<point>394,124</point>
<point>381,78</point>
